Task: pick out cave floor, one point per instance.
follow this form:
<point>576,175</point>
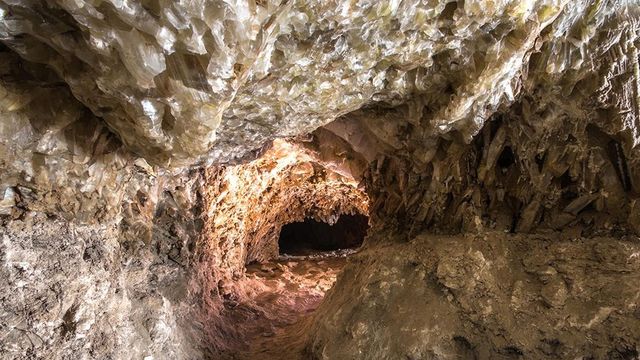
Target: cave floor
<point>277,299</point>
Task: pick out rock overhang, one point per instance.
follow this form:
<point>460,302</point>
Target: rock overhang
<point>212,81</point>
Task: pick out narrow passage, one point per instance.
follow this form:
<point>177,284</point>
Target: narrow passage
<point>283,293</point>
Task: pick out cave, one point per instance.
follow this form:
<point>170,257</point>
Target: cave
<point>311,236</point>
<point>319,180</point>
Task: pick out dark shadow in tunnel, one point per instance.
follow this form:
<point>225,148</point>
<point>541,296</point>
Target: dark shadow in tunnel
<point>310,236</point>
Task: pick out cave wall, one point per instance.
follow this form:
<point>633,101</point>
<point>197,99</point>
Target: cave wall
<point>558,151</point>
<point>520,241</point>
<point>95,241</point>
<point>246,206</point>
<point>459,117</point>
<point>105,255</point>
<point>250,203</point>
<point>176,81</point>
<point>489,295</point>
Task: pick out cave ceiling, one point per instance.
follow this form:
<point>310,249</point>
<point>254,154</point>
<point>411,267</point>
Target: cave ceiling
<point>185,82</point>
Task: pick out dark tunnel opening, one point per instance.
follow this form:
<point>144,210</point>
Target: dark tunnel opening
<point>311,236</point>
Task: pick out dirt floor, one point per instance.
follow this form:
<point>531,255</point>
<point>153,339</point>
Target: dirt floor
<point>277,299</point>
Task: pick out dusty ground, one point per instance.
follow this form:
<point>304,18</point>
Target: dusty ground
<point>491,295</point>
<point>275,300</point>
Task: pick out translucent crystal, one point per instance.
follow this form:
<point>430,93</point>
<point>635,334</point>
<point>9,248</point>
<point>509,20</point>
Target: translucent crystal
<point>226,76</point>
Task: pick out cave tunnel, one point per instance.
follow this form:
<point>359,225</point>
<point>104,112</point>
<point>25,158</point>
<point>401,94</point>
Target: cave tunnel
<point>311,236</point>
<point>173,175</point>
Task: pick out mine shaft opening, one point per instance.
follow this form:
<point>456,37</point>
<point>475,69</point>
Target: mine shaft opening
<point>310,236</point>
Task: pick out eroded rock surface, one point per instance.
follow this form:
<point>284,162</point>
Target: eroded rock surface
<point>216,79</point>
<point>278,298</point>
<point>124,236</point>
<point>485,296</point>
<point>563,152</point>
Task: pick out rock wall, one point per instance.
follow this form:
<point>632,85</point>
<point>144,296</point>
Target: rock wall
<point>489,295</point>
<point>215,80</point>
<point>540,207</point>
<point>246,207</point>
<point>123,235</point>
<point>85,258</point>
<point>560,151</point>
<point>104,255</point>
<point>70,290</point>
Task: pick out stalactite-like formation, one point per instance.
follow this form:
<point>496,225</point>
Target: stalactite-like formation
<point>149,150</point>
